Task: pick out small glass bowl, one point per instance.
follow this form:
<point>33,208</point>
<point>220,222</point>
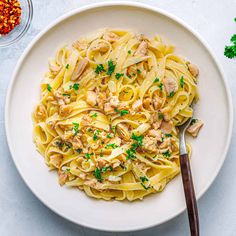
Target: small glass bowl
<point>25,20</point>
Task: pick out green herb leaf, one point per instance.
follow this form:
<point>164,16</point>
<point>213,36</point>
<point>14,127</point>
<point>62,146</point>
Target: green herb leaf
<point>98,175</point>
<point>67,66</point>
<point>108,135</point>
<point>166,153</point>
<point>131,154</point>
<point>118,75</point>
<point>90,129</point>
<point>124,112</point>
<point>171,94</point>
<point>49,87</point>
<point>146,188</point>
<point>129,52</point>
<point>104,169</point>
<point>79,150</point>
<point>139,71</point>
<point>111,67</point>
<point>111,145</point>
<point>88,155</point>
<point>143,178</point>
<point>76,86</point>
<point>160,115</point>
<point>99,69</point>
<point>160,86</point>
<point>193,121</point>
<point>66,95</point>
<point>139,139</point>
<point>156,80</point>
<point>230,51</point>
<point>168,135</point>
<point>76,128</point>
<point>233,39</point>
<point>94,115</point>
<point>181,82</point>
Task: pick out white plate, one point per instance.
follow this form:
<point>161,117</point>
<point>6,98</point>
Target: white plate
<point>209,149</point>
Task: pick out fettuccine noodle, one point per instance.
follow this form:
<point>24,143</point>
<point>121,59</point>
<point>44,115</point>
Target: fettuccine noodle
<point>108,112</point>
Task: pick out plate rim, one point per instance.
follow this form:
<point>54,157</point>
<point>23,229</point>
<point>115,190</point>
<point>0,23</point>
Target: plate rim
<point>153,9</point>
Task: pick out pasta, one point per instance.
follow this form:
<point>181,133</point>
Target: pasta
<point>108,114</point>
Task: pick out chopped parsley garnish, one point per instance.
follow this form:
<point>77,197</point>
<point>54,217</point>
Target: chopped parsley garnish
<point>193,121</point>
<point>94,115</point>
<point>230,51</point>
<point>67,66</point>
<point>90,129</point>
<point>160,86</point>
<point>76,128</point>
<point>171,94</point>
<point>111,67</point>
<point>88,155</point>
<point>131,154</point>
<point>66,95</point>
<point>108,135</point>
<point>143,178</point>
<point>118,75</point>
<point>111,145</point>
<point>166,153</point>
<point>139,139</point>
<point>99,69</point>
<point>160,115</point>
<point>181,82</point>
<point>95,137</point>
<point>124,112</point>
<point>156,80</point>
<point>49,87</point>
<point>146,188</point>
<point>113,128</point>
<point>79,150</point>
<point>129,52</point>
<point>74,86</point>
<point>104,169</point>
<point>168,135</point>
<point>98,175</point>
<point>67,170</point>
<point>139,71</point>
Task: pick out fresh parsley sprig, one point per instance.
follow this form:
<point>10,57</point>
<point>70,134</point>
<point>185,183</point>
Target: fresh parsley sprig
<point>230,51</point>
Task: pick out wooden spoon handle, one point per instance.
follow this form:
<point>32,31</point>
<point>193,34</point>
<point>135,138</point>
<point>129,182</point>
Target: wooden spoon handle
<point>189,195</point>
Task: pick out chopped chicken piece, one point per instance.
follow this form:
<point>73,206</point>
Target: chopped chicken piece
<point>157,102</point>
<point>114,178</point>
<point>101,47</point>
<point>68,135</point>
<point>165,144</point>
<point>54,68</point>
<point>110,37</point>
<point>82,176</point>
<point>132,70</point>
<point>93,183</point>
<point>137,105</point>
<point>149,144</point>
<point>62,177</point>
<point>61,100</point>
<point>108,108</point>
<point>193,69</point>
<point>55,160</point>
<point>116,163</point>
<point>79,69</point>
<point>171,85</point>
<point>167,126</point>
<point>155,133</point>
<point>85,121</point>
<point>194,128</point>
<point>40,112</point>
<point>91,98</point>
<point>142,49</point>
<point>65,110</point>
<point>101,162</point>
<point>101,99</point>
<point>76,143</point>
<point>147,103</point>
<point>114,101</point>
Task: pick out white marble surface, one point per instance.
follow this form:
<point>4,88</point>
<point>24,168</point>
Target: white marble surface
<point>23,214</point>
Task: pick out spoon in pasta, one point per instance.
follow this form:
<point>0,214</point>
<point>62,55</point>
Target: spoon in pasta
<point>187,181</point>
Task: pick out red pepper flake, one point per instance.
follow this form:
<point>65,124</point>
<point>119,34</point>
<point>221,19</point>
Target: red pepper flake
<point>10,12</point>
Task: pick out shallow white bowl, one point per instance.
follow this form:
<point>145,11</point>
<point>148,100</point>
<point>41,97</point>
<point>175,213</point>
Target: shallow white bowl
<point>209,149</point>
